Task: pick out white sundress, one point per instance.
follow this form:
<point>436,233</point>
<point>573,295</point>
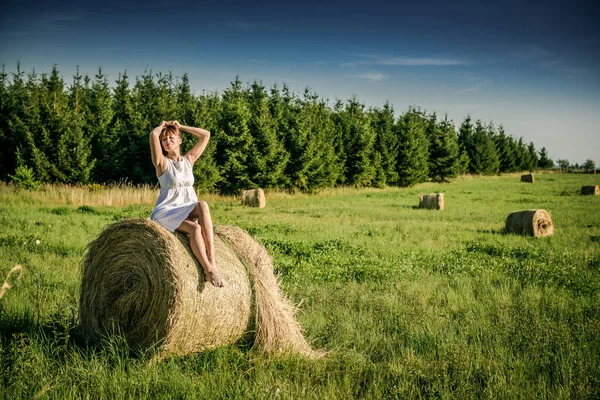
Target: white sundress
<point>177,197</point>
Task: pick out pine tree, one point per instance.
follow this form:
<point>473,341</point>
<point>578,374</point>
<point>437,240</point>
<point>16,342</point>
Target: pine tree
<point>145,115</point>
<point>79,93</point>
<point>124,129</point>
<point>46,128</point>
<point>431,125</point>
<point>97,127</point>
<point>505,151</point>
<point>206,171</point>
<point>313,164</point>
<point>524,161</point>
<point>3,123</point>
<point>186,105</point>
<point>235,141</point>
<point>282,110</point>
<point>413,151</point>
<point>24,115</point>
<point>484,159</point>
<point>54,144</point>
<point>533,159</point>
<point>358,140</point>
<point>386,143</point>
<point>202,112</point>
<point>164,91</point>
<point>544,161</point>
<point>444,152</point>
<point>269,158</point>
<point>326,168</point>
<point>338,140</point>
<point>186,112</point>
<point>74,150</point>
<point>513,144</point>
<point>7,149</point>
<point>466,143</point>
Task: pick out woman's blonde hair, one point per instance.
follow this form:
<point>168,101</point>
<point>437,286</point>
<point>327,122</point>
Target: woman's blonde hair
<point>168,130</point>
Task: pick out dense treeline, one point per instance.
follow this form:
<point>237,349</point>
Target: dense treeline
<point>271,138</point>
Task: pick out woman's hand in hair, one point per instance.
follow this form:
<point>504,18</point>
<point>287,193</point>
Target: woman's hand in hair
<point>159,128</point>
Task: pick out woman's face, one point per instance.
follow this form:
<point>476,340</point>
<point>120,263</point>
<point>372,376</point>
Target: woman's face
<point>170,141</point>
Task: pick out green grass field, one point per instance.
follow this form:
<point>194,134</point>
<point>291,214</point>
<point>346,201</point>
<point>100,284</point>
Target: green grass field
<point>410,303</point>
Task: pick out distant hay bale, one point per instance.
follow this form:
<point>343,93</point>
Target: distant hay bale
<point>530,222</point>
<point>254,198</point>
<point>141,281</point>
<point>432,201</point>
<point>593,190</point>
<point>527,178</point>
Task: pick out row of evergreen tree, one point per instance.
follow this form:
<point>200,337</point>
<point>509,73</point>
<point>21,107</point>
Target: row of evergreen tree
<point>270,138</point>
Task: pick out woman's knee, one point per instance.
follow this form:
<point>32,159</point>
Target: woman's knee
<point>196,230</point>
<point>203,205</point>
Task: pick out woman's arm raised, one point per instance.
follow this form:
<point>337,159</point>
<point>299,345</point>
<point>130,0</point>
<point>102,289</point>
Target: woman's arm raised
<point>158,159</point>
<point>203,136</point>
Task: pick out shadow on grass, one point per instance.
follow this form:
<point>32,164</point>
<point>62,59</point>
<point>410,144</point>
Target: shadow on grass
<point>493,231</point>
<point>56,336</point>
<point>404,206</point>
<point>62,335</point>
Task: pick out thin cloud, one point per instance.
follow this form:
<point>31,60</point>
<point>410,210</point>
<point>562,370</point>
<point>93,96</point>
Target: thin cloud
<point>369,59</point>
<point>476,84</point>
<point>419,62</point>
<point>526,53</point>
<point>467,107</point>
<point>371,76</point>
<point>568,71</point>
<point>539,56</point>
<point>44,24</point>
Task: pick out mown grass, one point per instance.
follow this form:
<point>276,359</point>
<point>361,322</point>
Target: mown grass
<point>410,303</point>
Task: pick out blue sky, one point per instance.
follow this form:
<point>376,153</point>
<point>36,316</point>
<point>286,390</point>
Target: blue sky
<point>534,67</point>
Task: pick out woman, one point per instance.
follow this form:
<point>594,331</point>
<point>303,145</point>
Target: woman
<point>177,207</point>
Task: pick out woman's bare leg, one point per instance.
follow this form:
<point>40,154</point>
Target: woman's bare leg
<point>202,213</point>
<point>199,249</point>
<point>205,220</point>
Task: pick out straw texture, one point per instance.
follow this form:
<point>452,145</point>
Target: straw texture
<point>530,222</point>
<point>276,327</point>
<point>141,281</point>
<point>432,201</point>
<point>254,198</point>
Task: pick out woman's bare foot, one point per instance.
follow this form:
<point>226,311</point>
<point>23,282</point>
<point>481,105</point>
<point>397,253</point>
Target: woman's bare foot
<point>213,277</point>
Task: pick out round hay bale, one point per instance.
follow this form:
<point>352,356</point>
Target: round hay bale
<point>142,282</point>
<point>593,190</point>
<point>254,198</point>
<point>527,178</point>
<point>530,222</point>
<point>432,201</point>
